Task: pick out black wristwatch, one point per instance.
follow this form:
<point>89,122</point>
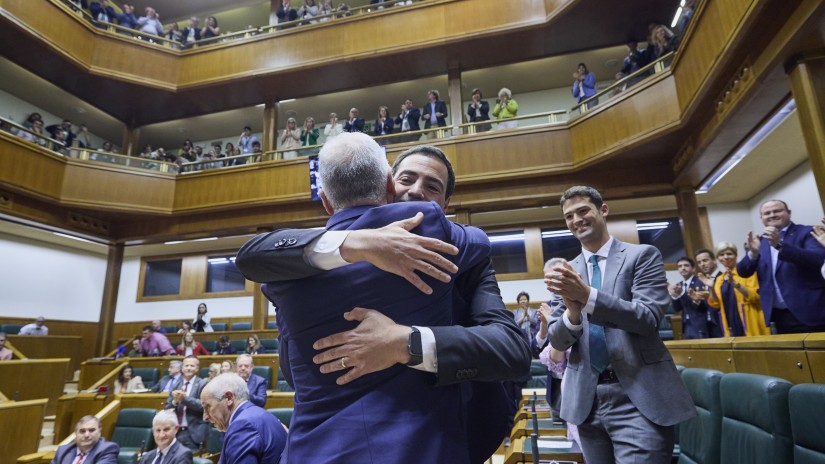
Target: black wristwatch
<point>414,348</point>
<point>778,245</point>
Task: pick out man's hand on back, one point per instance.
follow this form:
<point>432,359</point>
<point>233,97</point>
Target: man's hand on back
<point>393,248</point>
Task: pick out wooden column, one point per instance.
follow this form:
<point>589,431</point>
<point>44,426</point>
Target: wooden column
<point>807,77</point>
<point>108,306</point>
<point>462,216</point>
<point>270,126</point>
<point>260,309</point>
<point>129,144</point>
<point>691,223</point>
<point>454,91</point>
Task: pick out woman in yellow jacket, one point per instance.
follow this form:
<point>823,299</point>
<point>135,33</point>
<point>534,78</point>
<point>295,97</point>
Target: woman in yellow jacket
<point>736,297</point>
<point>506,108</point>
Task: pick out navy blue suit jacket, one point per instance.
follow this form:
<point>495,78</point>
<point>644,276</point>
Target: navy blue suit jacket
<point>254,436</point>
<point>694,315</point>
<point>440,107</point>
<point>797,273</point>
<point>385,416</point>
<point>257,390</point>
<point>412,119</point>
<point>357,126</point>
<point>104,452</point>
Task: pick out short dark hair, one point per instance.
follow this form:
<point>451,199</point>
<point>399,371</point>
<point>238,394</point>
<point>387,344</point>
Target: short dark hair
<point>582,191</point>
<point>149,328</point>
<point>247,128</point>
<point>432,152</point>
<point>705,250</point>
<point>685,258</point>
<point>521,294</point>
<point>224,338</point>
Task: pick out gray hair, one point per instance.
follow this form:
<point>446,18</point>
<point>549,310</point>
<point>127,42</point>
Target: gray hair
<point>584,192</point>
<point>176,363</point>
<point>552,262</point>
<point>85,419</point>
<point>244,355</point>
<point>353,171</point>
<point>166,416</point>
<point>505,91</point>
<point>229,382</point>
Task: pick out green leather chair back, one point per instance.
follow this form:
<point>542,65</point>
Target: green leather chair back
<point>283,385</point>
<point>807,408</point>
<point>214,443</point>
<point>699,438</point>
<point>282,414</point>
<point>241,326</point>
<point>219,326</point>
<point>149,375</point>
<point>265,372</point>
<point>270,344</point>
<point>756,423</point>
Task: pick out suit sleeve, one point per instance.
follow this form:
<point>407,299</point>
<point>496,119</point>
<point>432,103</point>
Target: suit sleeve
<point>809,255</point>
<point>257,395</point>
<point>747,266</point>
<point>270,258</point>
<point>244,445</point>
<point>108,455</point>
<point>487,346</point>
<point>193,402</point>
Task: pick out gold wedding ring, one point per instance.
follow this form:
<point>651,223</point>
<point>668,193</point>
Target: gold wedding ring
<point>344,362</point>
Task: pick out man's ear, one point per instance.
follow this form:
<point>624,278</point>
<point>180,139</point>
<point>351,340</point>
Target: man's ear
<point>325,201</point>
<point>604,209</point>
<point>390,188</point>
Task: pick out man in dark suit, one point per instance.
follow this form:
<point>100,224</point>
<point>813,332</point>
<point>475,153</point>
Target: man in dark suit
<point>787,260</point>
<point>354,123</point>
<point>708,272</point>
<point>434,111</point>
<point>88,447</point>
<point>255,383</point>
<point>164,429</point>
<point>483,333</point>
<point>184,399</point>
<point>166,382</point>
<point>407,120</point>
<point>253,435</point>
<point>621,388</point>
<point>687,299</point>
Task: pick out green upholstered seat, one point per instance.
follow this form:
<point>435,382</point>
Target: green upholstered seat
<point>282,414</point>
<point>807,409</point>
<point>699,438</point>
<point>149,375</point>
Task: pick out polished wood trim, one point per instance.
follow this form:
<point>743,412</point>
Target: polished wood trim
<point>50,347</point>
<point>808,87</point>
<point>16,379</point>
<point>20,425</point>
<point>108,304</point>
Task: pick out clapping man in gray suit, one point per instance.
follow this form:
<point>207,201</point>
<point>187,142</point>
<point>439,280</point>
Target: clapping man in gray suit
<point>169,450</point>
<point>184,400</point>
<point>621,388</point>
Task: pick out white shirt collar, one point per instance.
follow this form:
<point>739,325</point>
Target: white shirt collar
<point>601,252</point>
<point>166,450</point>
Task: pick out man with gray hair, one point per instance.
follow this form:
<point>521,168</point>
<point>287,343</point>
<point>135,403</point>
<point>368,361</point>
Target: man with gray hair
<point>166,382</point>
<point>88,447</point>
<point>253,435</point>
<point>388,412</point>
<point>254,383</point>
<point>169,450</point>
<point>184,400</point>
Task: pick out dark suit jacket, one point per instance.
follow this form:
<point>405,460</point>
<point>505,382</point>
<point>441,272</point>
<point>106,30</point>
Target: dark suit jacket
<point>630,304</point>
<point>440,107</point>
<point>387,127</point>
<point>177,454</point>
<point>257,390</point>
<point>357,126</point>
<point>797,272</point>
<point>412,119</point>
<point>386,414</point>
<point>104,452</point>
<point>254,436</point>
<point>694,315</point>
<point>161,385</point>
<point>198,428</point>
<point>484,109</point>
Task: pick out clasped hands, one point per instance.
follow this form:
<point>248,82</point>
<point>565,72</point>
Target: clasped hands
<point>564,281</point>
<point>178,396</point>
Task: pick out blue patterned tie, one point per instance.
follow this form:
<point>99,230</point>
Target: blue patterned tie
<point>598,345</point>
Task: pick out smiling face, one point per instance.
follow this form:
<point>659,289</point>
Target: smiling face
<point>164,433</point>
<point>190,368</point>
<point>523,301</point>
<point>727,258</point>
<point>775,214</point>
<point>586,222</point>
<point>421,178</point>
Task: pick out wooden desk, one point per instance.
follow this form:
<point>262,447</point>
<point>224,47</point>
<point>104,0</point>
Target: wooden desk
<point>547,428</point>
<point>51,347</point>
<point>520,451</point>
<point>32,379</point>
<point>20,425</point>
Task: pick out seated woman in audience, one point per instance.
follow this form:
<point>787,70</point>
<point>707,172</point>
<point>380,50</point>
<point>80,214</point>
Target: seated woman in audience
<point>227,366</point>
<point>506,108</point>
<point>126,383</point>
<point>201,321</point>
<point>135,352</point>
<point>736,297</point>
<point>185,327</point>
<point>211,28</point>
<point>291,138</point>
<point>383,124</point>
<point>309,10</point>
<point>189,347</point>
<point>31,119</point>
<point>584,85</point>
<point>253,345</point>
<point>214,370</point>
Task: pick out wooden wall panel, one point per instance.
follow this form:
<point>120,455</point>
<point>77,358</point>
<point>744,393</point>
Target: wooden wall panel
<point>84,183</point>
<point>87,331</point>
<point>20,425</point>
<point>53,346</point>
<point>30,168</point>
<point>33,379</point>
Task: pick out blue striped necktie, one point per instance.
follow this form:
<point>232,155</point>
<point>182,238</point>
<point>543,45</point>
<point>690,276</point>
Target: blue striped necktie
<point>599,357</point>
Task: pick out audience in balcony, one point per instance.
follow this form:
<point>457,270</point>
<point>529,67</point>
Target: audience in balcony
<point>253,345</point>
<point>383,124</point>
<point>126,382</point>
<point>245,140</point>
<point>329,8</point>
<point>354,123</point>
<point>478,110</point>
<point>286,12</point>
<point>31,119</point>
<point>309,134</point>
<point>103,13</point>
<point>189,347</point>
<point>309,10</point>
<point>333,128</point>
<point>174,34</point>
<point>584,85</point>
<point>5,353</point>
<point>36,130</point>
<point>150,23</point>
<point>506,109</point>
<point>66,127</point>
<point>210,28</point>
<point>635,60</point>
<point>434,112</point>
<point>155,344</point>
<point>662,41</point>
<point>201,321</point>
<point>128,19</point>
<point>166,382</point>
<point>224,346</point>
<point>290,138</point>
<point>38,327</point>
<point>407,120</point>
<point>191,32</point>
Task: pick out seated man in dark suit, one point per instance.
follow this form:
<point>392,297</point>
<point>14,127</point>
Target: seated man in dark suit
<point>88,447</point>
<point>253,435</point>
<point>168,381</point>
<point>164,429</point>
<point>255,383</point>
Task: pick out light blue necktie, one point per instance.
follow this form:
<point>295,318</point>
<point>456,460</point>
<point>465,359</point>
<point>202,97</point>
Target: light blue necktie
<point>599,357</point>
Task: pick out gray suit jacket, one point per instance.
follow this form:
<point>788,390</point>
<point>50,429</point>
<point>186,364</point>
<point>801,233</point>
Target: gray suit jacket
<point>104,452</point>
<point>198,429</point>
<point>630,304</point>
<point>177,454</point>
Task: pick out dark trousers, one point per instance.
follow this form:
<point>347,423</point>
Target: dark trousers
<point>787,323</point>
